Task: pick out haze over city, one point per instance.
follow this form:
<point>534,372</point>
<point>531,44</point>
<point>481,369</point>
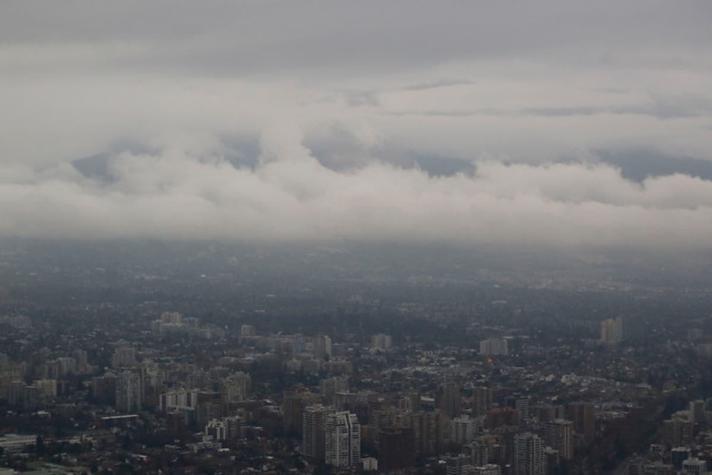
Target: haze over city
<point>343,237</point>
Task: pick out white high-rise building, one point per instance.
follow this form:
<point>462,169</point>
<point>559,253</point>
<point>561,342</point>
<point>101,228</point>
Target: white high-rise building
<point>178,399</point>
<point>528,454</point>
<point>227,428</point>
<point>342,440</point>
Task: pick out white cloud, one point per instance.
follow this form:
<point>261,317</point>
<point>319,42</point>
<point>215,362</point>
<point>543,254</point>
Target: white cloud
<point>320,113</point>
<point>176,194</point>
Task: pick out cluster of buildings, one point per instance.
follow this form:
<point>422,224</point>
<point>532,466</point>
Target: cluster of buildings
<point>177,392</point>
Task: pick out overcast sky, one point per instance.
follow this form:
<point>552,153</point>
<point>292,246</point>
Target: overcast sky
<point>552,122</point>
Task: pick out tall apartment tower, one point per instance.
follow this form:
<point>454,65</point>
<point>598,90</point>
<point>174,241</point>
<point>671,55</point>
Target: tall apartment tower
<point>129,392</point>
<point>313,431</point>
<point>582,413</point>
<point>247,331</point>
<point>236,387</point>
<point>321,347</point>
<point>694,466</point>
<point>293,406</point>
<point>560,436</point>
<point>450,398</point>
<point>123,356</point>
<point>494,347</point>
<point>330,386</point>
<point>427,431</point>
<point>528,454</point>
<point>697,411</point>
<point>482,398</point>
<point>489,469</point>
<point>381,342</point>
<point>343,440</point>
<point>612,331</point>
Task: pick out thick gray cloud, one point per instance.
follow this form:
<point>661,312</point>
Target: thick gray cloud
<point>461,122</point>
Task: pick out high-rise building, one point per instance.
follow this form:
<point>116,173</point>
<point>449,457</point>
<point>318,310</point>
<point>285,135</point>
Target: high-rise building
<point>463,429</point>
<point>224,429</point>
<point>82,361</point>
<point>494,347</point>
<point>66,365</point>
<point>677,431</point>
<point>488,469</point>
<point>409,402</point>
<point>381,342</point>
<point>450,398</point>
<point>247,331</point>
<point>178,399</point>
<point>293,406</point>
<point>47,388</point>
<point>581,413</point>
<point>369,464</point>
<point>694,466</point>
<point>342,440</point>
<point>321,347</point>
<point>152,384</point>
<point>479,453</point>
<point>236,387</point>
<point>522,407</point>
<point>560,436</point>
<point>14,392</point>
<point>528,454</point>
<point>210,405</point>
<point>697,411</point>
<point>456,464</point>
<point>552,460</point>
<point>103,388</point>
<point>330,386</point>
<point>428,428</point>
<point>313,431</point>
<point>679,455</point>
<point>129,392</point>
<point>21,395</point>
<point>396,448</point>
<point>612,331</point>
<point>502,416</point>
<point>123,356</point>
<point>482,398</point>
<point>171,317</point>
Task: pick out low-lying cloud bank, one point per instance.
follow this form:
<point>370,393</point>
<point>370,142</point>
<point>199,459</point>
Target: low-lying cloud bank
<point>177,193</point>
<point>456,123</point>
